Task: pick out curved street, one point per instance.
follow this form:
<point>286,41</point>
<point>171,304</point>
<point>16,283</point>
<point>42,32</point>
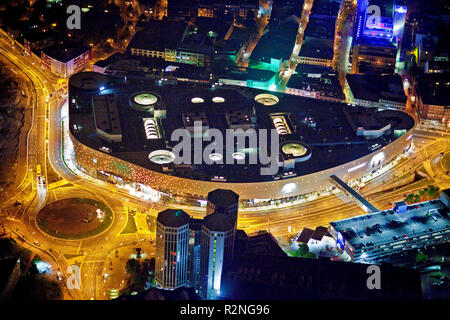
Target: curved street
<point>44,147</point>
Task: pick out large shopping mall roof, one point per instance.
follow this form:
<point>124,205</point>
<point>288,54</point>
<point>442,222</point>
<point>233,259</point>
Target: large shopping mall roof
<point>314,135</point>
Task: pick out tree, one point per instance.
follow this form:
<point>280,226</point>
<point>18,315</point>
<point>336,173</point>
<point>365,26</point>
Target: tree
<point>309,255</point>
<point>409,198</point>
<point>421,257</point>
<point>303,249</point>
<point>133,267</point>
<point>432,191</point>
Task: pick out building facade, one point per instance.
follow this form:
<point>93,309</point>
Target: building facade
<point>225,202</point>
<point>66,62</point>
<point>172,240</point>
<point>217,243</point>
<point>195,233</point>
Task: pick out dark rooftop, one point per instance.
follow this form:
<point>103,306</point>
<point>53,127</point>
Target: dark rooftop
<point>434,89</point>
<point>173,218</point>
<point>319,233</point>
<point>327,85</point>
<point>316,48</point>
<point>329,118</point>
<point>261,243</point>
<point>246,74</point>
<point>158,35</point>
<point>373,87</point>
<point>305,235</point>
<point>277,42</point>
<point>218,222</point>
<point>223,197</point>
<point>195,224</point>
<point>182,293</point>
<point>66,52</point>
<point>264,277</point>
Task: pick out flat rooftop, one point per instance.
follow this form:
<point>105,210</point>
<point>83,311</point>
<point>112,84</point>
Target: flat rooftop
<point>316,48</point>
<point>158,35</point>
<point>434,89</point>
<point>327,85</point>
<point>332,130</point>
<point>360,231</point>
<point>66,52</point>
<point>373,87</point>
<point>277,41</point>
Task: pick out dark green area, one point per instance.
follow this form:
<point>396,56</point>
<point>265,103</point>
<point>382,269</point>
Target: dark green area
<point>142,274</point>
<point>151,222</point>
<point>131,225</point>
<point>43,225</point>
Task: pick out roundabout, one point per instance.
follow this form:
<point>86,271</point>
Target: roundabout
<point>74,218</point>
<point>445,161</point>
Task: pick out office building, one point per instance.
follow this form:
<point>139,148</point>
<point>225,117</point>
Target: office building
<point>376,41</point>
<point>225,202</point>
<point>195,233</point>
<point>172,240</point>
<point>433,91</point>
<point>217,244</point>
<point>65,60</point>
<point>375,91</point>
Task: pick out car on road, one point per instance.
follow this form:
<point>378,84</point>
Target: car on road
<point>37,243</point>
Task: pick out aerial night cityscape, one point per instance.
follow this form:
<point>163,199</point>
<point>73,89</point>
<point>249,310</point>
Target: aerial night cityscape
<point>245,150</point>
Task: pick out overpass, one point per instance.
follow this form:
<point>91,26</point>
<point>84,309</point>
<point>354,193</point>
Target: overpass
<point>352,194</point>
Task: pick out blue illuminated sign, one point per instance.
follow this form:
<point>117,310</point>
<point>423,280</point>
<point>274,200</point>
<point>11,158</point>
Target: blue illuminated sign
<point>340,241</point>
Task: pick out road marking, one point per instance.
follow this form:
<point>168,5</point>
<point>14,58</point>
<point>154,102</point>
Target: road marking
<point>79,247</point>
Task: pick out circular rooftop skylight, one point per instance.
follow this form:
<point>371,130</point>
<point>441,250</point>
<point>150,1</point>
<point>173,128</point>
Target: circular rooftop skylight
<point>145,99</point>
<point>267,99</point>
<point>161,157</point>
<point>218,100</point>
<point>197,100</point>
<point>215,157</point>
<point>238,156</point>
<point>295,149</point>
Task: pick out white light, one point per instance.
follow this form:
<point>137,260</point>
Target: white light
<point>356,167</point>
<point>289,187</point>
<point>218,100</point>
<point>377,158</point>
<point>197,100</point>
<point>215,157</point>
<point>238,156</point>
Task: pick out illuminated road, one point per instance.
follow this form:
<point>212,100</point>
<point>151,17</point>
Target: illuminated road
<point>91,254</point>
<point>343,38</point>
<point>293,60</point>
